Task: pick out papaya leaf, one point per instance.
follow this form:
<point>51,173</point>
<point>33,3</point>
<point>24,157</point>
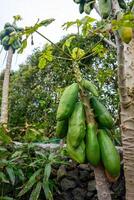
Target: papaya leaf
<point>46,57</point>
<point>67,43</point>
<point>24,45</point>
<point>77,53</point>
<point>36,192</point>
<point>30,183</point>
<point>11,174</point>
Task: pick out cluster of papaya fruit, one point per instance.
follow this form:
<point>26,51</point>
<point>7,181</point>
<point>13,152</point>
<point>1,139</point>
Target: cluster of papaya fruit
<point>105,6</point>
<point>85,5</point>
<point>5,35</point>
<point>87,142</point>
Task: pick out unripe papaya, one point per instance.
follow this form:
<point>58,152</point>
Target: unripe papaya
<point>61,128</point>
<point>77,1</point>
<point>102,115</point>
<point>81,7</point>
<point>76,128</point>
<point>67,102</point>
<point>88,85</point>
<point>7,25</point>
<point>9,30</point>
<point>126,34</point>
<point>87,8</point>
<point>122,4</point>
<point>109,155</point>
<point>92,145</point>
<point>105,7</point>
<point>77,154</point>
<point>16,44</point>
<point>5,41</point>
<point>2,34</point>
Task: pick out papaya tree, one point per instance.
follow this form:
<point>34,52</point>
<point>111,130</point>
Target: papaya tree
<point>116,28</point>
<point>11,40</point>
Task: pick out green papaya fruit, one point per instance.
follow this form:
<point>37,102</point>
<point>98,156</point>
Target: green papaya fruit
<point>2,34</point>
<point>61,128</point>
<point>122,4</point>
<point>102,115</point>
<point>88,85</point>
<point>77,1</point>
<point>109,155</point>
<point>81,7</point>
<point>5,40</point>
<point>6,47</point>
<point>92,145</point>
<point>16,44</point>
<point>87,8</point>
<point>76,127</point>
<point>67,102</point>
<point>7,25</point>
<point>9,30</point>
<point>77,154</point>
<point>105,7</point>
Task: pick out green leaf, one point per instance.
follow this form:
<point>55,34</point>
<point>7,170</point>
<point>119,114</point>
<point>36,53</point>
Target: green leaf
<point>30,183</point>
<point>6,198</point>
<point>24,45</point>
<point>77,53</point>
<point>20,174</point>
<point>47,171</point>
<point>3,136</point>
<point>67,43</point>
<point>3,178</point>
<point>11,174</point>
<point>36,192</point>
<point>47,190</point>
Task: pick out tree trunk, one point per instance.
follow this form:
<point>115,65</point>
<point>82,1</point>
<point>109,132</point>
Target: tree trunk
<point>125,57</point>
<point>102,186</point>
<point>5,89</point>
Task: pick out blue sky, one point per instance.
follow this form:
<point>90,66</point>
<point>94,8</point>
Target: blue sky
<point>30,10</point>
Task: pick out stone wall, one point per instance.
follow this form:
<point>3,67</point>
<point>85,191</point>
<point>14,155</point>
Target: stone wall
<point>76,182</point>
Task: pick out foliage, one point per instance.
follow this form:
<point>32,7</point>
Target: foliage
<point>26,170</point>
<point>34,93</point>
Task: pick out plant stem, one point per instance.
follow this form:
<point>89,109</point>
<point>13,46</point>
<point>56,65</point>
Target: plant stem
<point>60,49</point>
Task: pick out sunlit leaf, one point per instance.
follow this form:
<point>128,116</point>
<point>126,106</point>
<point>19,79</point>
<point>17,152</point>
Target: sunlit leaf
<point>77,53</point>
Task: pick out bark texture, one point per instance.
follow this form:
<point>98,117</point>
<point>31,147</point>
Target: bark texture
<point>125,57</point>
<point>5,89</point>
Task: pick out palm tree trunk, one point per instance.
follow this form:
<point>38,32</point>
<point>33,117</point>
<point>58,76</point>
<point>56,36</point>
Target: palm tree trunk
<point>5,89</point>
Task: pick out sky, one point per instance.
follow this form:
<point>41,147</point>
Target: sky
<point>32,10</point>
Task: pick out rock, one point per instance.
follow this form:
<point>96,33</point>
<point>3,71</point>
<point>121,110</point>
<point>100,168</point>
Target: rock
<point>73,175</point>
<point>89,195</point>
<point>91,186</point>
<point>79,194</point>
<point>84,167</point>
<point>92,176</point>
<point>66,196</point>
<point>67,184</point>
<point>83,175</point>
<point>61,172</point>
